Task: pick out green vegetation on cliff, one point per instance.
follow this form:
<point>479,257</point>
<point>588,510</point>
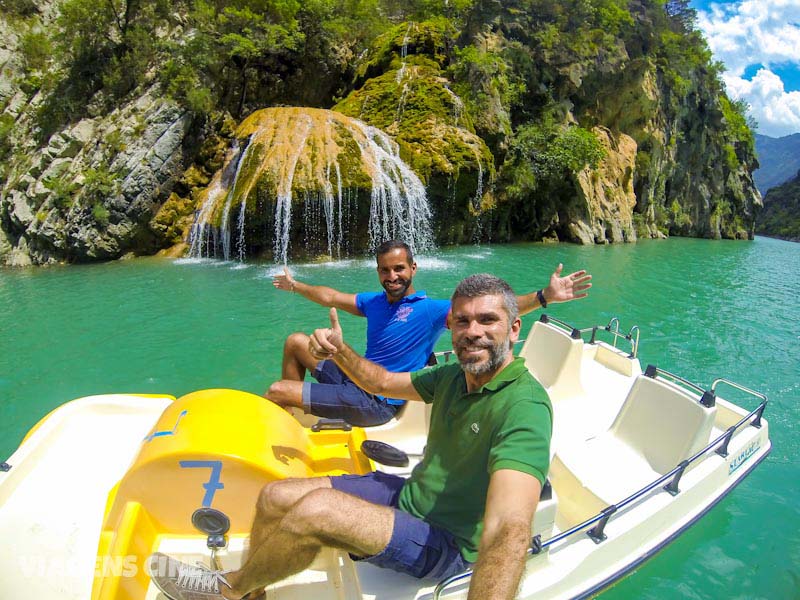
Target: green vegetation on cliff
<point>581,120</point>
<point>781,214</point>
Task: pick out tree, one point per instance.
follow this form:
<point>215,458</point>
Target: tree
<point>681,13</point>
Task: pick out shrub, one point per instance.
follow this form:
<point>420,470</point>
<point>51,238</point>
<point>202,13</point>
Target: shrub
<point>100,213</point>
<point>62,191</point>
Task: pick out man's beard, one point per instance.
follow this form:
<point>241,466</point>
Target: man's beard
<point>400,291</point>
<point>497,354</point>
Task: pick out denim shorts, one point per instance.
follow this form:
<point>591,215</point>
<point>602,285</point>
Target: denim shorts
<point>337,397</point>
<point>416,548</point>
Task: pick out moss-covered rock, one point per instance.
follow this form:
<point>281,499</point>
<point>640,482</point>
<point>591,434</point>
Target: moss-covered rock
<point>405,89</point>
<point>313,179</point>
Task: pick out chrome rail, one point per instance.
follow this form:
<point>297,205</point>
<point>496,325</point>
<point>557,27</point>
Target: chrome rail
<point>651,371</point>
<point>632,336</point>
<point>737,386</point>
<point>575,333</point>
<point>596,534</point>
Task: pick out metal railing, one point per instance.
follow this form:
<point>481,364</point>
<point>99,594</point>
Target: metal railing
<point>601,519</point>
<point>577,334</point>
<point>632,336</point>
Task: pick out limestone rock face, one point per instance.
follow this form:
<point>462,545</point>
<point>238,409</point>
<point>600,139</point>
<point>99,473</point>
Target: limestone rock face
<point>92,190</point>
<point>479,116</point>
<point>690,177</point>
<point>606,193</point>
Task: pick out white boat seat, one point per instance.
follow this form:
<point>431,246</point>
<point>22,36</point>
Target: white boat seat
<point>407,430</point>
<point>606,376</point>
<point>554,358</point>
<point>616,360</point>
<point>658,426</point>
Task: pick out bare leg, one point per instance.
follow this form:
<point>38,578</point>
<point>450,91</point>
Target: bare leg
<point>275,500</point>
<point>322,517</point>
<point>296,357</point>
<point>286,393</point>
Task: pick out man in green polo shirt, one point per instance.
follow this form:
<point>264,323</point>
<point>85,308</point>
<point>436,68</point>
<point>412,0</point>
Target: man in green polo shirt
<point>469,501</point>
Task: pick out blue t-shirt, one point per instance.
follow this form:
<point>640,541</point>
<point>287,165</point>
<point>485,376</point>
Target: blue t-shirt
<point>401,335</point>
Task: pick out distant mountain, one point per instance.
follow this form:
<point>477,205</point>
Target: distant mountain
<point>781,214</point>
<point>779,159</point>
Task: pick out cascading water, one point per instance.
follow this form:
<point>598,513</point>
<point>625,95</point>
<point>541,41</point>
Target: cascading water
<point>240,249</point>
<point>323,162</point>
<point>401,72</point>
<point>283,205</point>
<point>458,106</point>
<point>399,205</point>
<point>203,239</point>
<point>403,54</point>
<point>226,211</point>
<point>477,208</point>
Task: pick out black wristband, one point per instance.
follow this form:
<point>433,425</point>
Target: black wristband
<point>540,296</point>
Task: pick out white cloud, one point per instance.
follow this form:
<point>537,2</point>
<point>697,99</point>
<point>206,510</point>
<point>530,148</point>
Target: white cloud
<point>765,32</point>
<point>776,110</point>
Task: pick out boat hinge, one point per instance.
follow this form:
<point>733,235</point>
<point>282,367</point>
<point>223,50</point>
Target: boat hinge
<point>596,533</point>
<point>536,544</point>
<point>672,486</point>
<point>708,399</point>
<point>329,424</point>
<point>5,467</point>
<point>759,412</point>
<point>651,371</point>
<point>723,447</point>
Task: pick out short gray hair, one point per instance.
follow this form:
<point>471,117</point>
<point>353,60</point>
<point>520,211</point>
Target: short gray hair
<point>484,284</point>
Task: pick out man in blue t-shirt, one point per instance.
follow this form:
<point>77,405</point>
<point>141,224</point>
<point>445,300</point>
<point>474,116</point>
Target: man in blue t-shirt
<point>403,326</point>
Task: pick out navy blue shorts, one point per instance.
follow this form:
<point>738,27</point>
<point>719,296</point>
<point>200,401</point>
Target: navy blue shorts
<point>416,548</point>
<point>337,397</point>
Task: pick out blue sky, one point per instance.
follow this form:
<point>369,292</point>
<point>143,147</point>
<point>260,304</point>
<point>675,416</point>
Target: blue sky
<point>758,41</point>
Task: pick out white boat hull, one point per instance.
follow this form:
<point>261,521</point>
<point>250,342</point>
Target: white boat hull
<point>79,510</point>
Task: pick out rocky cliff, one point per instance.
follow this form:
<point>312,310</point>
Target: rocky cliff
<point>594,123</point>
<point>780,217</point>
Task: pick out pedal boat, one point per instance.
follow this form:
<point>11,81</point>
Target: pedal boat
<point>102,482</point>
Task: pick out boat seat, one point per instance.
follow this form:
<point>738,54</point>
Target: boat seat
<point>659,425</point>
<point>554,359</point>
<point>407,430</point>
<point>616,360</point>
<point>606,376</point>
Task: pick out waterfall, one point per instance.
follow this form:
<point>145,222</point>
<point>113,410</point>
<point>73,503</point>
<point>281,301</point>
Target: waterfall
<point>240,247</point>
<point>403,54</point>
<point>476,207</point>
<point>200,246</point>
<point>226,211</point>
<point>323,163</point>
<point>400,74</point>
<point>340,211</point>
<point>476,200</point>
<point>399,205</point>
<point>283,204</point>
<point>401,103</point>
<point>458,105</point>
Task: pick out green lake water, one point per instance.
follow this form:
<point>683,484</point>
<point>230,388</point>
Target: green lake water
<point>706,309</point>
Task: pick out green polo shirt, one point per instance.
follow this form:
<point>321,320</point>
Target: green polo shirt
<point>506,424</point>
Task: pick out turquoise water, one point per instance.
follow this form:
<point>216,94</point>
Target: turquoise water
<point>706,309</point>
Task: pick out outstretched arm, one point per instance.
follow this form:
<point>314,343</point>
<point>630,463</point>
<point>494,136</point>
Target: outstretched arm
<point>328,343</point>
<point>317,293</point>
<point>561,289</point>
<point>510,504</point>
